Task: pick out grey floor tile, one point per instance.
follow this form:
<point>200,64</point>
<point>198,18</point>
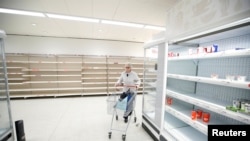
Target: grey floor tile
<point>74,119</point>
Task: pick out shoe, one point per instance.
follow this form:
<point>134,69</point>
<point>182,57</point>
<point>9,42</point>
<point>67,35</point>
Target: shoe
<point>125,119</point>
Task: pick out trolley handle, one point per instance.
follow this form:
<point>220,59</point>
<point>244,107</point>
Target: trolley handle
<point>126,86</point>
<point>130,86</point>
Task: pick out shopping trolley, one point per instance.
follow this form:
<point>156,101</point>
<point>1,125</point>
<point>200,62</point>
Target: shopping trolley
<point>120,105</point>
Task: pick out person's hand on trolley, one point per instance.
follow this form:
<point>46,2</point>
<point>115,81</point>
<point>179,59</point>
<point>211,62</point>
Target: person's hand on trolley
<point>117,85</point>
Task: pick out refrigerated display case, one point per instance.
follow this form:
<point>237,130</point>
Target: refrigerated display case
<point>206,73</point>
<point>153,87</point>
<point>6,125</point>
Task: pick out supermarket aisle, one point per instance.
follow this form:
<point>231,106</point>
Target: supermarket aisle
<point>73,119</point>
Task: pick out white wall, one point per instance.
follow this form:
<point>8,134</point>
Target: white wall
<point>193,16</point>
<point>50,45</point>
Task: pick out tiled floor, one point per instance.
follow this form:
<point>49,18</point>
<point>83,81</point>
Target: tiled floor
<point>74,119</point>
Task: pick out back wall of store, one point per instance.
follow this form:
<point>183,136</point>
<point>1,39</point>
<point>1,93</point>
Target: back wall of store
<point>72,46</point>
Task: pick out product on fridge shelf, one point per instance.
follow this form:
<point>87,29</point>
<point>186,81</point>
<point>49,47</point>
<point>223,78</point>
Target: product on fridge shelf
<point>247,108</point>
<point>199,113</point>
<point>230,77</point>
<point>215,76</point>
<point>206,117</point>
<point>236,104</point>
<point>241,78</point>
<point>208,49</point>
<point>169,101</point>
<point>193,114</point>
<point>200,50</point>
<point>240,105</point>
<point>215,48</point>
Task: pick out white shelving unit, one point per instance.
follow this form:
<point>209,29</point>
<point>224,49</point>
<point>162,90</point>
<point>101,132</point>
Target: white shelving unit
<point>222,82</point>
<point>222,54</point>
<point>33,75</point>
<point>190,85</point>
<point>94,75</point>
<point>210,104</point>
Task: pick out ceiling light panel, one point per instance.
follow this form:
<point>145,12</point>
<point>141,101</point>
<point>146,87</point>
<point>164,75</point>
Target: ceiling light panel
<point>155,27</point>
<point>20,12</point>
<point>122,23</point>
<point>72,18</point>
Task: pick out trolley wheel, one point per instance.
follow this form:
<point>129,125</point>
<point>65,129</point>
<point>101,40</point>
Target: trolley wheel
<point>123,137</point>
<point>135,119</point>
<point>110,133</point>
<point>116,117</point>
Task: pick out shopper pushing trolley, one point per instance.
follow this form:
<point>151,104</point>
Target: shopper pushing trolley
<point>125,101</point>
<point>130,82</point>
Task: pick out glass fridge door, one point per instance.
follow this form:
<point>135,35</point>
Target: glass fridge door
<point>6,127</point>
<point>150,77</point>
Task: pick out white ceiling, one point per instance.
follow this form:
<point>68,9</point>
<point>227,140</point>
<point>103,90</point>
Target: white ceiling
<point>148,12</point>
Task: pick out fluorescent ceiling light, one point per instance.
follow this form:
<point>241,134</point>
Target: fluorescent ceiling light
<point>154,27</point>
<point>122,23</point>
<point>72,18</point>
<point>20,12</point>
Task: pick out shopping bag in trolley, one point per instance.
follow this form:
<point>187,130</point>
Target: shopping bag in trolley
<point>122,104</point>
